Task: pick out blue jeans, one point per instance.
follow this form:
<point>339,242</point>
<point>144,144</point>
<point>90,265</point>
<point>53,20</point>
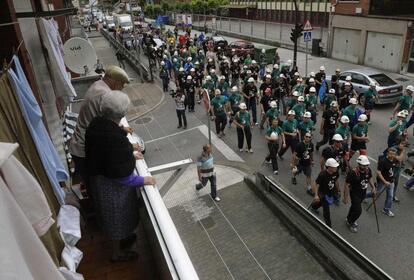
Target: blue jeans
<point>410,121</point>
<point>409,183</point>
<point>213,184</point>
<point>389,194</point>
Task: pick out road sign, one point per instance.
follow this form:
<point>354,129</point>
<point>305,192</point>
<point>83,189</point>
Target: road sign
<point>307,26</point>
<point>307,36</point>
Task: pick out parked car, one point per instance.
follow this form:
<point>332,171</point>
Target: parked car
<point>242,48</point>
<point>389,91</point>
<point>219,41</point>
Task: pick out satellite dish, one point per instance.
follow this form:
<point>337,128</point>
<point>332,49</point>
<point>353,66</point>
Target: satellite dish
<point>80,57</point>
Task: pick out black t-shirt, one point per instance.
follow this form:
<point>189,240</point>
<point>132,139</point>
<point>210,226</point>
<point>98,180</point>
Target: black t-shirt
<point>250,90</point>
<point>264,86</point>
<point>331,152</point>
<point>326,183</point>
<point>265,101</point>
<point>331,119</point>
<point>304,153</point>
<point>359,179</point>
<point>387,169</point>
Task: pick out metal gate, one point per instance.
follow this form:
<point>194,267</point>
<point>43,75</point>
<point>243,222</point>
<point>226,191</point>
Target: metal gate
<point>346,44</point>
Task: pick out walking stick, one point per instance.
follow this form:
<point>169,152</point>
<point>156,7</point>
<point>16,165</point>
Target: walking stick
<point>375,211</point>
<point>374,199</point>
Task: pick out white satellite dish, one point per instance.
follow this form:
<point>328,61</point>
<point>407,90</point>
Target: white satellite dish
<point>80,57</point>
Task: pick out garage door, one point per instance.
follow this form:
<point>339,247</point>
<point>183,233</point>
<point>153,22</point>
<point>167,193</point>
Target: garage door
<point>383,51</point>
<point>346,44</point>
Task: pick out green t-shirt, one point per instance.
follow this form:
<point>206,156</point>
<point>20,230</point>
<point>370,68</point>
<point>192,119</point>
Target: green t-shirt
<point>223,87</point>
<point>272,113</point>
<point>278,130</point>
<point>218,104</point>
<point>360,130</point>
<point>290,125</point>
<point>247,61</point>
<point>343,131</point>
<point>235,99</point>
<point>243,118</point>
<point>275,73</point>
<point>399,130</point>
<point>299,87</point>
<point>405,102</point>
<point>328,99</point>
<point>311,101</point>
<point>349,111</point>
<point>299,110</point>
<point>292,102</point>
<point>306,126</point>
<point>369,95</point>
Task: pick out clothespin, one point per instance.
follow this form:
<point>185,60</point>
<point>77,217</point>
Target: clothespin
<point>5,65</point>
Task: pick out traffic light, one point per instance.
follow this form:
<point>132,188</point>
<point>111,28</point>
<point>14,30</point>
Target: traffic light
<point>297,32</point>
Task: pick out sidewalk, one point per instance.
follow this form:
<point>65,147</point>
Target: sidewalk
<point>144,97</point>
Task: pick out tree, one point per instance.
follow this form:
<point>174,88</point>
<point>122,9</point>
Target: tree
<point>149,10</point>
<point>165,6</point>
<point>157,10</point>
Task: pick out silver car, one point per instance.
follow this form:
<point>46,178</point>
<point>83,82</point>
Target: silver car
<point>389,91</point>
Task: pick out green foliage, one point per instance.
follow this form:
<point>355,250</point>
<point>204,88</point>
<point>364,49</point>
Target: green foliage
<point>157,10</point>
<point>149,10</point>
<point>165,6</point>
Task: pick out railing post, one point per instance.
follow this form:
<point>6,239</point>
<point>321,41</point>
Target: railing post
<point>240,26</point>
<point>221,27</point>
<point>229,24</point>
<point>265,29</point>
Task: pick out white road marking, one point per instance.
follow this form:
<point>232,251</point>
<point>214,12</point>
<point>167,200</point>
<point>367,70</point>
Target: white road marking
<point>220,145</point>
<point>171,135</point>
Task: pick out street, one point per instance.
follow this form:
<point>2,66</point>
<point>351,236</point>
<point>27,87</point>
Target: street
<point>390,249</point>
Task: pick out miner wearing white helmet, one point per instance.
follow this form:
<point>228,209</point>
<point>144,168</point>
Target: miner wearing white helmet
<point>189,90</point>
<point>335,150</point>
<point>293,100</point>
<point>275,137</point>
<point>290,130</point>
<point>272,113</point>
<point>219,112</point>
<point>299,108</point>
<point>344,130</point>
<point>356,185</point>
<point>359,136</point>
<point>370,97</point>
<point>320,78</point>
<point>302,160</point>
<point>243,122</point>
<point>164,76</point>
<point>265,104</point>
<point>350,110</point>
<point>406,101</point>
<point>262,63</point>
<point>329,97</point>
<point>235,100</point>
<point>306,124</point>
<point>250,95</point>
<point>325,189</point>
<point>397,129</point>
<point>235,71</point>
<point>328,125</point>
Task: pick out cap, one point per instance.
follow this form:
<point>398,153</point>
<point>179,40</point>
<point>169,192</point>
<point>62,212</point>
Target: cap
<point>332,91</point>
<point>363,160</point>
<point>210,59</point>
<point>273,104</point>
<point>243,106</point>
<point>249,71</point>
<point>353,101</point>
<point>410,88</point>
<point>291,112</point>
<point>189,59</point>
<point>362,118</point>
<point>312,89</point>
<point>322,68</point>
<point>196,63</point>
<point>250,80</point>
<point>311,80</point>
<point>301,98</point>
<point>344,119</point>
<point>234,88</point>
<point>331,162</point>
<point>337,137</point>
<point>296,93</point>
<point>348,78</point>
<point>334,104</point>
<point>307,115</point>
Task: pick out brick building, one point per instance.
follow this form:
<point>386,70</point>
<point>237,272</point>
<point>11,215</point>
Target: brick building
<point>374,33</point>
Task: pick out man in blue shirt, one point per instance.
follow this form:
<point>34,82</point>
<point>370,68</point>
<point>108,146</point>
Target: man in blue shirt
<point>205,171</point>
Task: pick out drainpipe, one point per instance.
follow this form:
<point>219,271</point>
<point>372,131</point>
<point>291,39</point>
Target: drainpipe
<point>330,30</point>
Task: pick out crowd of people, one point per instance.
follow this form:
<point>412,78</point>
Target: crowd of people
<point>248,91</point>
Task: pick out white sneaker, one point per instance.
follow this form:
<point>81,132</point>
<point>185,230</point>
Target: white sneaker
<point>275,172</point>
<point>251,151</point>
<point>217,199</point>
<point>241,150</point>
<point>256,124</point>
<point>411,189</point>
<point>388,213</point>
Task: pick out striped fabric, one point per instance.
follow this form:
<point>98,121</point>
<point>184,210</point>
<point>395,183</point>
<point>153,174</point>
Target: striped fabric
<point>69,124</point>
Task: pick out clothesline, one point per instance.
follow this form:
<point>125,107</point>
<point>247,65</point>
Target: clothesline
<point>8,23</point>
<point>6,66</point>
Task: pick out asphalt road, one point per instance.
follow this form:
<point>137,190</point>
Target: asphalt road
<point>392,249</point>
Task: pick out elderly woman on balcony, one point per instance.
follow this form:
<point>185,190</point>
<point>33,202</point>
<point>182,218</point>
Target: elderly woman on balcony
<point>110,165</point>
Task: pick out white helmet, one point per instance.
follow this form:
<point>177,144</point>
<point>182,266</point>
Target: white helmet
<point>189,59</point>
<point>174,59</point>
<point>222,78</point>
<point>311,80</point>
<point>312,74</point>
<point>332,91</point>
<point>344,119</point>
<point>210,60</point>
<point>301,98</point>
<point>322,68</point>
<point>312,89</point>
<point>213,71</point>
<point>275,66</point>
<point>250,80</point>
<point>208,78</point>
<point>164,56</point>
<point>268,76</point>
<point>405,112</point>
<point>281,76</point>
<point>347,84</point>
<point>372,84</point>
<point>331,162</point>
<point>243,106</point>
<point>296,93</point>
<point>299,79</point>
<point>289,62</point>
<point>363,160</point>
<point>291,112</point>
<point>338,70</point>
<point>273,104</point>
<point>254,61</point>
<point>362,118</point>
<point>307,115</point>
<point>296,74</point>
<point>196,63</point>
<point>401,114</point>
<point>410,88</point>
<point>353,101</point>
<point>263,50</point>
<point>162,63</point>
<point>189,77</point>
<point>337,137</point>
<point>192,70</point>
<point>234,88</point>
<point>217,92</point>
<point>334,103</point>
<point>348,78</point>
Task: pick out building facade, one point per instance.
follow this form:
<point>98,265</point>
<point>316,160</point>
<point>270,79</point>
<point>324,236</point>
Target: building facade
<point>373,33</point>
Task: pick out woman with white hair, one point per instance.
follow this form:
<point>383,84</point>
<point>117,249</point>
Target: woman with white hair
<point>110,165</point>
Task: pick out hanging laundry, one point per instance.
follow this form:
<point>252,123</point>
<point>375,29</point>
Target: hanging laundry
<point>33,117</point>
<point>53,43</point>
